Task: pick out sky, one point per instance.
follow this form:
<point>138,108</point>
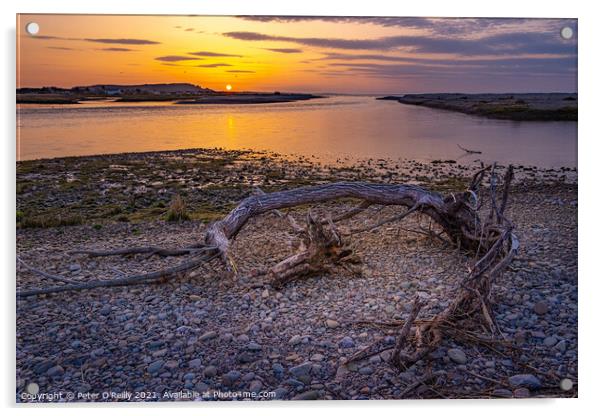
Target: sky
<point>372,55</point>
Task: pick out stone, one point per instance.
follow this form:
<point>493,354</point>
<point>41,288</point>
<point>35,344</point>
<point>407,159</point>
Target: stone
<point>302,372</point>
<point>308,395</point>
<point>155,366</point>
<point>561,346</point>
<point>55,371</point>
<point>295,340</point>
<point>505,393</point>
<point>105,310</point>
<point>230,377</point>
<point>524,380</point>
<point>346,342</point>
<point>253,346</point>
<point>255,386</point>
<point>522,393</point>
<point>210,371</point>
<point>172,365</point>
<point>278,370</point>
<point>208,335</point>
<point>457,355</point>
<point>550,341</point>
<point>280,393</point>
<point>540,308</point>
<point>196,363</point>
<point>317,357</point>
<point>367,370</point>
<point>331,323</point>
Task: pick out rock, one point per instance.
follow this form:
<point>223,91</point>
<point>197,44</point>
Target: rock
<point>550,341</point>
<point>278,370</point>
<point>255,386</point>
<point>280,393</point>
<point>525,380</point>
<point>172,365</point>
<point>457,355</point>
<point>210,371</point>
<point>505,393</point>
<point>347,342</point>
<point>230,377</point>
<point>42,367</point>
<point>253,346</point>
<point>561,346</point>
<point>55,371</point>
<point>301,371</point>
<point>195,298</point>
<point>208,335</point>
<point>367,370</point>
<point>155,366</point>
<point>105,310</point>
<point>196,363</point>
<point>540,308</point>
<point>317,357</point>
<point>308,395</point>
<point>295,340</point>
<point>265,294</point>
<point>521,393</point>
<point>331,323</point>
<point>75,267</point>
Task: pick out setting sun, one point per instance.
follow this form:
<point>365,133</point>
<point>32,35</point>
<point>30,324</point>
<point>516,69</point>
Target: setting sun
<point>229,87</point>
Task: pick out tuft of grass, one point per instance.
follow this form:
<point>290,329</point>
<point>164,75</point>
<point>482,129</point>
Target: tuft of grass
<point>48,220</point>
<point>177,210</point>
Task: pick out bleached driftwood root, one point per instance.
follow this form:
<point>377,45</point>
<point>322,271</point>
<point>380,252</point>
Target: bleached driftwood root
<point>322,247</point>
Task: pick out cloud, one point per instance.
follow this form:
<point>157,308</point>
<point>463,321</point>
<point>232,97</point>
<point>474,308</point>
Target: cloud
<point>61,48</point>
<point>240,71</point>
<point>176,58</point>
<point>123,41</point>
<point>437,26</point>
<point>117,49</point>
<point>217,54</point>
<point>501,44</point>
<point>284,50</point>
<point>190,29</point>
<point>217,65</point>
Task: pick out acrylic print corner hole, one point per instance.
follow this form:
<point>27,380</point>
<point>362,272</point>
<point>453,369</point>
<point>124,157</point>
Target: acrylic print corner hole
<point>295,208</point>
<point>32,28</point>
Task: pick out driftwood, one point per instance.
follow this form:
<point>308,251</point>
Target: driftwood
<point>323,247</point>
<point>476,152</point>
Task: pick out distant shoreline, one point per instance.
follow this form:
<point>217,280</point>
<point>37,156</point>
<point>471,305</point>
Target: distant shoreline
<point>517,107</point>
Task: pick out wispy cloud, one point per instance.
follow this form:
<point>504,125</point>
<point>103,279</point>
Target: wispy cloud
<point>215,54</point>
<point>176,58</point>
<point>118,41</point>
<point>117,49</point>
<point>502,44</point>
<point>124,41</point>
<point>240,71</point>
<point>284,50</point>
<point>216,65</point>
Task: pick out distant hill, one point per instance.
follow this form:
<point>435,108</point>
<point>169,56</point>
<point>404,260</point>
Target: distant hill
<point>120,90</point>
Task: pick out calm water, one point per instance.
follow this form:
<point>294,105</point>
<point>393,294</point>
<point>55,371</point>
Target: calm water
<point>329,128</point>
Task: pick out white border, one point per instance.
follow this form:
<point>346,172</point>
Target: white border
<point>590,371</point>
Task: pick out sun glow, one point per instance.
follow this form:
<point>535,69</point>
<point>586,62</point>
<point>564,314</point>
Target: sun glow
<point>229,87</point>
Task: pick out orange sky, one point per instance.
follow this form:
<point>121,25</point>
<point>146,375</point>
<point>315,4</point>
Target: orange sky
<point>314,55</point>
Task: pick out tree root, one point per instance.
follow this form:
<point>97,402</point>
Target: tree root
<point>323,248</point>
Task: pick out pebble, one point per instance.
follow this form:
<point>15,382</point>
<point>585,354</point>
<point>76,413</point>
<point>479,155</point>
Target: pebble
<point>208,335</point>
<point>155,366</point>
<point>308,395</point>
<point>524,380</point>
<point>331,323</point>
<point>367,370</point>
<point>505,393</point>
<point>55,371</point>
<point>210,371</point>
<point>457,355</point>
<point>230,377</point>
<point>295,340</point>
<point>196,363</point>
<point>540,308</point>
<point>253,346</point>
<point>522,393</point>
<point>347,342</point>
